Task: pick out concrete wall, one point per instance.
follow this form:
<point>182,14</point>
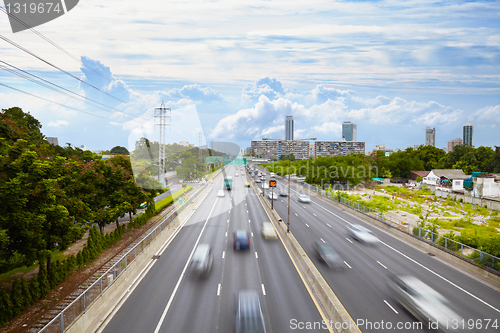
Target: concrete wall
<point>490,203</point>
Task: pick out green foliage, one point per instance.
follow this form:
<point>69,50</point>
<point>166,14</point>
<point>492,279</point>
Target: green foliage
<point>43,280</point>
<point>6,307</point>
<point>34,288</point>
<point>119,150</point>
<point>16,297</point>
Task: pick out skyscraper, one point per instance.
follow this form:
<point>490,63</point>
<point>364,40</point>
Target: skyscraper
<point>468,134</point>
<point>430,136</point>
<point>289,128</point>
<point>349,131</point>
<point>453,143</point>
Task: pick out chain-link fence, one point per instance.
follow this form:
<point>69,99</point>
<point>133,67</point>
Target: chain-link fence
<point>75,309</point>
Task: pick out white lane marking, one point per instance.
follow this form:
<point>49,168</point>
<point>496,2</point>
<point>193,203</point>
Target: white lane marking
<point>390,306</point>
<point>347,264</point>
<point>350,241</point>
<point>314,214</point>
<point>251,234</point>
<point>256,255</point>
<point>307,225</point>
<point>169,303</point>
<point>263,290</point>
<point>249,221</point>
<point>226,234</point>
<point>381,264</point>
<point>322,240</point>
<point>296,214</point>
<point>442,277</point>
<point>247,211</point>
<point>304,207</point>
<point>227,220</point>
<point>218,290</point>
<point>223,254</point>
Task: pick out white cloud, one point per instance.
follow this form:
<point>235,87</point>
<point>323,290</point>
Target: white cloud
<point>266,117</point>
<point>58,123</point>
<point>489,114</point>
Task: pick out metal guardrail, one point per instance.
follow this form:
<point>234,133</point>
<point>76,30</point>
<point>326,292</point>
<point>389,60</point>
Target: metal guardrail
<point>474,255</point>
<point>75,309</point>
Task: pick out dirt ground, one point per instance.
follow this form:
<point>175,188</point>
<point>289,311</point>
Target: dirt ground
<point>25,319</point>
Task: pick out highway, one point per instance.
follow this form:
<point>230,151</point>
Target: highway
<point>168,299</point>
<point>362,285</point>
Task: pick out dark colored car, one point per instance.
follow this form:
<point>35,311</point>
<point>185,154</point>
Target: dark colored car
<point>241,240</point>
<point>283,193</point>
<point>326,253</point>
<point>249,317</point>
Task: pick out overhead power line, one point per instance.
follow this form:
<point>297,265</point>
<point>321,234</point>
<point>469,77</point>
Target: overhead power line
<point>56,67</point>
<point>60,104</point>
<point>49,85</point>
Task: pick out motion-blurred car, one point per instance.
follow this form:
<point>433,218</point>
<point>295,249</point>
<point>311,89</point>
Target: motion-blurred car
<point>424,303</point>
<point>241,240</point>
<point>268,231</point>
<point>247,184</point>
<point>362,234</point>
<point>236,174</point>
<point>202,260</point>
<point>303,198</point>
<point>258,180</point>
<point>272,196</point>
<point>327,254</point>
<point>220,193</point>
<point>242,174</point>
<point>283,193</point>
<point>249,317</point>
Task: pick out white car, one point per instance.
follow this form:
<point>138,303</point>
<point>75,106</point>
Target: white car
<point>272,196</point>
<point>362,234</point>
<point>220,193</point>
<point>236,175</point>
<point>268,231</point>
<point>425,303</point>
<point>266,185</point>
<point>303,198</point>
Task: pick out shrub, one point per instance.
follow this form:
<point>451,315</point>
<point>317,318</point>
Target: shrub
<point>27,299</point>
<point>5,307</point>
<point>34,290</point>
<point>16,297</point>
<point>43,281</point>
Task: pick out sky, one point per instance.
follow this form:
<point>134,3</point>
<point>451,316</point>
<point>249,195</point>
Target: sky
<point>233,71</point>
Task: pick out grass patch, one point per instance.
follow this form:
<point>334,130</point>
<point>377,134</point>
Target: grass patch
<point>8,276</point>
<point>171,198</point>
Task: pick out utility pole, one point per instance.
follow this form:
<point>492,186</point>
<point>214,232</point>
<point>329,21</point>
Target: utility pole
<point>164,117</point>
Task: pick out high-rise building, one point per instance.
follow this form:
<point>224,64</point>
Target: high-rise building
<point>344,147</point>
<point>349,131</point>
<point>453,143</point>
<point>430,136</point>
<point>53,140</point>
<point>289,128</point>
<point>276,148</point>
<point>468,134</point>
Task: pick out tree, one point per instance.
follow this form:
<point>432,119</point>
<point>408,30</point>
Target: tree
<point>119,150</point>
<point>429,155</point>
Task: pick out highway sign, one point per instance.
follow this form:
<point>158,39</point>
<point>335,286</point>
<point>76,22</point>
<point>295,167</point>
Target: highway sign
<point>272,183</point>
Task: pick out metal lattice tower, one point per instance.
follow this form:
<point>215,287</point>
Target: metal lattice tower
<point>200,140</point>
<point>164,118</point>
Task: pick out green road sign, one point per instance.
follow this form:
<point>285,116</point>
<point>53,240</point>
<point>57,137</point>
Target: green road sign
<point>181,201</point>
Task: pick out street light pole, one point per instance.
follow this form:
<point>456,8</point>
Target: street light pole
<point>289,169</point>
